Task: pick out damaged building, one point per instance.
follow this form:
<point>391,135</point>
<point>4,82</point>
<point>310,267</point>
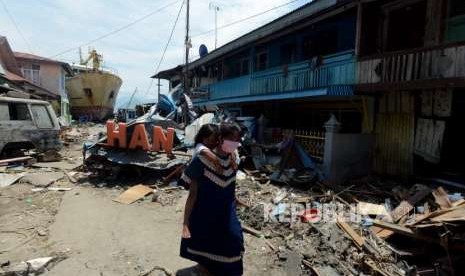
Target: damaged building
<point>361,90</point>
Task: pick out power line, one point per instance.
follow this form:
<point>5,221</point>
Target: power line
<point>16,26</point>
<point>117,30</point>
<point>246,18</point>
<point>166,47</point>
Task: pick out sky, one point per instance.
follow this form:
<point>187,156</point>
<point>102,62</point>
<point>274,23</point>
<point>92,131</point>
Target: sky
<point>49,27</point>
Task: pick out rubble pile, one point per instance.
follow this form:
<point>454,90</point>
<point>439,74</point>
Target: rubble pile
<point>364,227</point>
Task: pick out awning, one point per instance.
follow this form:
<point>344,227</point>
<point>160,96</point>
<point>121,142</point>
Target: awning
<point>332,91</point>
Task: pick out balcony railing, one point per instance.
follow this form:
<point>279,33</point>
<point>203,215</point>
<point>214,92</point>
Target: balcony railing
<point>333,70</point>
<point>337,69</point>
<point>236,87</point>
<point>433,63</point>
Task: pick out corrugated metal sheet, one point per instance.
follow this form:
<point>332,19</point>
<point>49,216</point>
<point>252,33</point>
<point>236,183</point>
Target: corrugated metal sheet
<point>395,131</point>
<point>284,21</point>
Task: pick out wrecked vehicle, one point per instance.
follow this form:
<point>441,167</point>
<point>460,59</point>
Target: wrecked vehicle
<point>27,124</point>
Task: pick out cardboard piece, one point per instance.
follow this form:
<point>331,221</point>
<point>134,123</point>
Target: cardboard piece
<point>133,194</point>
<point>366,208</point>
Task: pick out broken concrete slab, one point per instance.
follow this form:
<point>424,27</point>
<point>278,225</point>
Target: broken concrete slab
<point>43,179</point>
<point>7,179</point>
<point>31,267</point>
<point>58,165</point>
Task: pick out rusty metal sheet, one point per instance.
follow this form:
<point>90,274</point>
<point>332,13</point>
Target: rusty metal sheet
<point>394,136</point>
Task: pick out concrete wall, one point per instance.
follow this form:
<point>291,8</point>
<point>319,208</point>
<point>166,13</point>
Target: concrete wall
<point>49,75</point>
<point>349,156</point>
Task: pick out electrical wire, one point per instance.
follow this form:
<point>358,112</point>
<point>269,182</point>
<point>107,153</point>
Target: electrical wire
<point>166,47</point>
<point>116,30</point>
<point>246,18</point>
<point>16,26</point>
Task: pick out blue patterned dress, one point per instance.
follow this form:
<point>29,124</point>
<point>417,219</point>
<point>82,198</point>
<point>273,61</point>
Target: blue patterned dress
<point>216,235</point>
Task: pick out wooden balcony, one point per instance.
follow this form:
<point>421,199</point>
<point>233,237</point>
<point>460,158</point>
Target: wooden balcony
<point>336,69</point>
<point>418,68</point>
<point>333,71</point>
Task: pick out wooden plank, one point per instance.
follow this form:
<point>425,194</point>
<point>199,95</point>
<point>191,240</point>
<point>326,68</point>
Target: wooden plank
<point>407,205</point>
<point>458,203</point>
<point>449,57</point>
<point>309,265</point>
<point>410,67</point>
<point>252,231</point>
<point>393,227</point>
<point>358,240</point>
<point>453,215</point>
<point>460,62</point>
<point>442,198</point>
<point>12,160</point>
<point>436,58</point>
<point>403,209</point>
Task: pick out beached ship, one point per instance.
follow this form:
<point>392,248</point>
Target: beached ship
<point>92,89</point>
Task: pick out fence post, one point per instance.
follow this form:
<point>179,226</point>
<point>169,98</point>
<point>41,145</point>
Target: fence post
<point>332,127</point>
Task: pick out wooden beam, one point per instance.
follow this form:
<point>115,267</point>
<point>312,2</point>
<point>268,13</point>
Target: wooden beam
<point>407,205</point>
<point>403,209</point>
<point>358,240</point>
<point>17,159</point>
<point>442,198</point>
<point>252,231</point>
<point>394,227</point>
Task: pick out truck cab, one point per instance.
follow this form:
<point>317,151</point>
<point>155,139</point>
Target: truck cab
<point>27,124</point>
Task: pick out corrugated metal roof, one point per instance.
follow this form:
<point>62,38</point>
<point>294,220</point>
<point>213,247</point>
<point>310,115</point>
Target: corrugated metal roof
<point>288,19</point>
<point>278,24</point>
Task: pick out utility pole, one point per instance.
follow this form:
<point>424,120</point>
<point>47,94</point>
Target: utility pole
<point>216,8</point>
<point>186,73</point>
<point>187,43</point>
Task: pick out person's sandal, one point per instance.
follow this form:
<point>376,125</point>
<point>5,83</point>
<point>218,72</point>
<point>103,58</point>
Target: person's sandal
<point>202,271</point>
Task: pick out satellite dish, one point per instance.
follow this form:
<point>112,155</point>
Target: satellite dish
<point>203,51</point>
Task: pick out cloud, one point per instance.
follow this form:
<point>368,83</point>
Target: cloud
<point>135,51</point>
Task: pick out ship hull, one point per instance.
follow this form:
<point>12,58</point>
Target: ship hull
<point>93,95</point>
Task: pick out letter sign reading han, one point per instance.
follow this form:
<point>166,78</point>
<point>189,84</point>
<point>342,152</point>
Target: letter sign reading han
<point>139,138</point>
<point>116,135</point>
<point>160,141</point>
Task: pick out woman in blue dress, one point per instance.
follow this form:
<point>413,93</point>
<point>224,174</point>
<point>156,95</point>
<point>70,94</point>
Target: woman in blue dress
<point>212,234</point>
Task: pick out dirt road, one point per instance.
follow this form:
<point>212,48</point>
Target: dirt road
<point>103,237</point>
<point>107,238</point>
